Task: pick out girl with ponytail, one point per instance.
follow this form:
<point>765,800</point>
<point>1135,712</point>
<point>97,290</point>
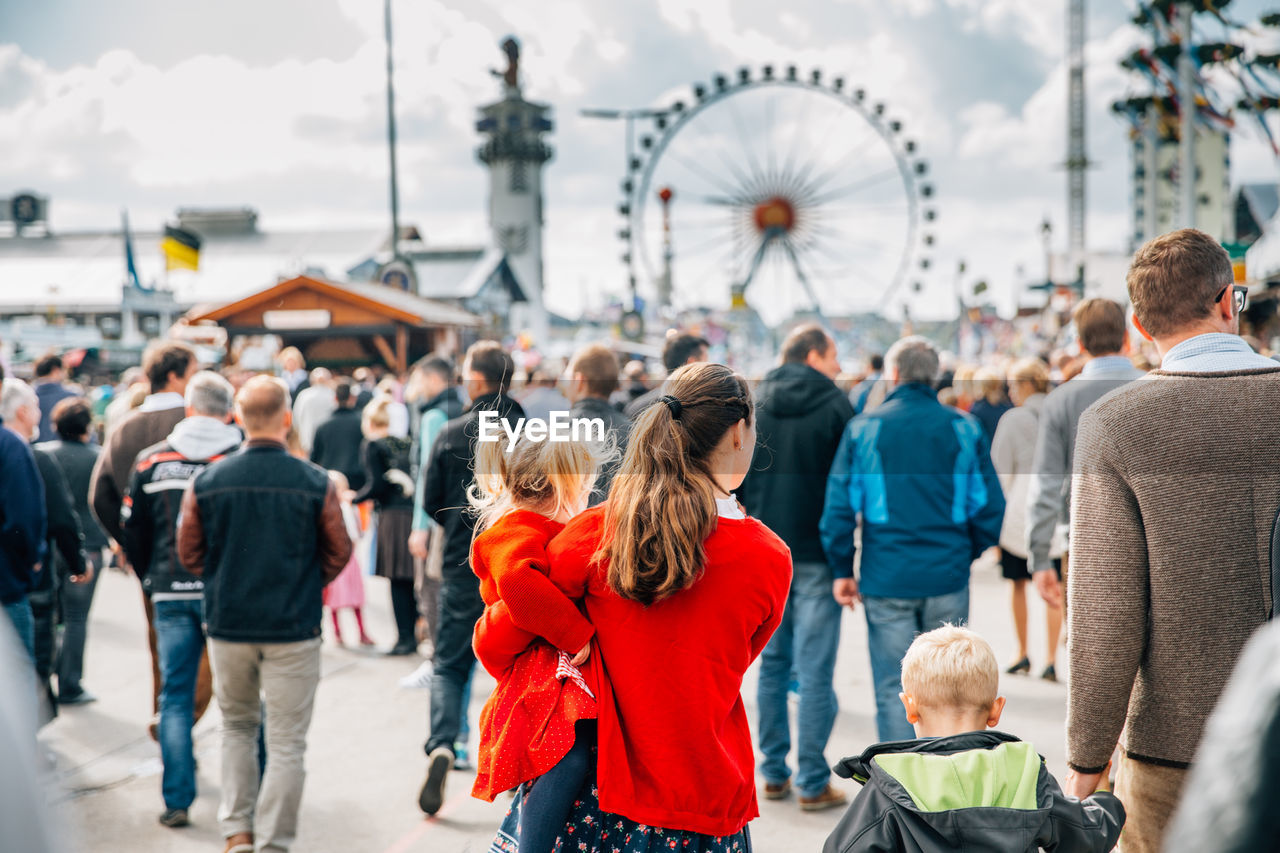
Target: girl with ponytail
<point>537,726</point>
<point>684,591</point>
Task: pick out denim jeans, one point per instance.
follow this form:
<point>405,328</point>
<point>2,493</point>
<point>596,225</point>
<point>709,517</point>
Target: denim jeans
<point>180,642</point>
<point>892,623</point>
<point>805,643</point>
<point>76,600</point>
<point>20,615</point>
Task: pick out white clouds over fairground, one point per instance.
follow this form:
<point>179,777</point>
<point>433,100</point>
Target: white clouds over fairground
<point>281,106</point>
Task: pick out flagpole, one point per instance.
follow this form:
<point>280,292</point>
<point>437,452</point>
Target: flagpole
<point>391,139</point>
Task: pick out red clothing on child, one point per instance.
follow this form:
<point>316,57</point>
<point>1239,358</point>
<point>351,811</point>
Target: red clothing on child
<point>527,725</point>
<point>675,750</point>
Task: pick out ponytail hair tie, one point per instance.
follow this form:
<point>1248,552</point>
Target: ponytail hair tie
<point>673,404</point>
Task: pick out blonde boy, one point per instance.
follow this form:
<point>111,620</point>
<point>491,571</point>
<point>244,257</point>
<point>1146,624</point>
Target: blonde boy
<point>961,785</point>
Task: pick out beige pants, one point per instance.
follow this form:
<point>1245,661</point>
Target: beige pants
<point>283,677</point>
<point>1150,794</point>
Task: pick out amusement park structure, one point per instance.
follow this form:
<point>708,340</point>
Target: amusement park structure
<point>787,190</point>
<point>1199,89</point>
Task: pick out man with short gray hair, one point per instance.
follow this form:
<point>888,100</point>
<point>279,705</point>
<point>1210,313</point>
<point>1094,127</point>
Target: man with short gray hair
<point>22,509</point>
<point>161,475</point>
<point>918,476</point>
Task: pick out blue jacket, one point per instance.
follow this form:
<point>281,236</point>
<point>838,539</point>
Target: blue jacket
<point>919,475</point>
<point>22,517</point>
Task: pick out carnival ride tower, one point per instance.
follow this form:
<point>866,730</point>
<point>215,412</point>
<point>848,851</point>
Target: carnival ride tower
<point>515,152</point>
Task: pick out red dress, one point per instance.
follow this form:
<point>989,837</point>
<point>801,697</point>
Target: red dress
<point>527,725</point>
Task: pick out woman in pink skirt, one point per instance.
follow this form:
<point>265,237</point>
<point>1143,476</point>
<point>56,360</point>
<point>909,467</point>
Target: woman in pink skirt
<point>347,589</point>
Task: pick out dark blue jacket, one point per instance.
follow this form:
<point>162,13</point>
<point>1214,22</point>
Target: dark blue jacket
<point>919,475</point>
<point>265,530</point>
<point>49,394</point>
<point>22,517</point>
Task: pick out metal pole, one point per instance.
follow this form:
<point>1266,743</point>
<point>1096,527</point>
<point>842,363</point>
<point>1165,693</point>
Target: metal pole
<point>1151,177</point>
<point>391,139</point>
<point>1187,99</point>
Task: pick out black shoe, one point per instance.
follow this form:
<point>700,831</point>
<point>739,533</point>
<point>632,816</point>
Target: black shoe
<point>403,648</point>
<point>431,797</point>
<point>174,818</point>
<point>1022,667</point>
<point>84,697</point>
<point>1049,674</point>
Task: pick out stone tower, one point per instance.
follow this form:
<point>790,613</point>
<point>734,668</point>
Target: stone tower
<point>515,153</point>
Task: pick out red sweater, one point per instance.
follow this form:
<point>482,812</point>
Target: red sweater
<point>522,604</point>
<point>675,749</point>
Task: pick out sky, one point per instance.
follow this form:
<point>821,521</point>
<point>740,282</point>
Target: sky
<point>281,106</point>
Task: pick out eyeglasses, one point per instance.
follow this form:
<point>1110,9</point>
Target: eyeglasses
<point>1239,294</point>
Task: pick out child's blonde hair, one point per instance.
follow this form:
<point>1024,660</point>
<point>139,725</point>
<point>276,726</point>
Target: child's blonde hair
<point>544,476</point>
<point>339,481</point>
<point>951,667</point>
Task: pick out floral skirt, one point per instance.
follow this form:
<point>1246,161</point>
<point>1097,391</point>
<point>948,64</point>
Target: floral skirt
<point>590,830</point>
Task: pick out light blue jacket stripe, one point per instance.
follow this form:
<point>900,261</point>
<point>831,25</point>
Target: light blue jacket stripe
<point>970,489</point>
<point>867,490</point>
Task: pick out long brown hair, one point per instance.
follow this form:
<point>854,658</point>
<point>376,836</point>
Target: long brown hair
<point>662,504</point>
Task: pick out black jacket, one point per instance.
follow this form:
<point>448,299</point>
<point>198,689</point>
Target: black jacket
<point>149,518</point>
<point>76,459</point>
<point>617,425</point>
<point>265,531</point>
<point>449,474</point>
<point>382,459</point>
<point>337,443</point>
<point>336,446</point>
<point>801,416</point>
<point>65,548</point>
<point>978,791</point>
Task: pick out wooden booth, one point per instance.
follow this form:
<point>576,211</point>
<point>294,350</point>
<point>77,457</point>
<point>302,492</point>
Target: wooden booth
<point>345,325</point>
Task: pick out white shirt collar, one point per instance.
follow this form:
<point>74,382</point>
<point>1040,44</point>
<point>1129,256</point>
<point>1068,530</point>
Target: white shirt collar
<point>729,508</point>
<point>162,402</point>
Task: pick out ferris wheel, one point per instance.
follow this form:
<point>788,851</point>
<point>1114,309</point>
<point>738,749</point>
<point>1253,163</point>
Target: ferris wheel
<point>790,192</point>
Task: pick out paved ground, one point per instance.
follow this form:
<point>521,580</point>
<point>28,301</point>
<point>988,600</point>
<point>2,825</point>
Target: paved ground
<point>365,758</point>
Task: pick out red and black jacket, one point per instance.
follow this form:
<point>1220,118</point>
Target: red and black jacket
<point>149,519</point>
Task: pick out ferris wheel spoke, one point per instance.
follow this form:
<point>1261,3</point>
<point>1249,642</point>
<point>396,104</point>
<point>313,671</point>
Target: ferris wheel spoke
<point>795,138</point>
<point>703,247</point>
<point>800,274</point>
<point>703,173</point>
<point>802,175</point>
<point>828,174</point>
<point>817,238</point>
<point>771,168</point>
<point>856,186</point>
<point>757,175</point>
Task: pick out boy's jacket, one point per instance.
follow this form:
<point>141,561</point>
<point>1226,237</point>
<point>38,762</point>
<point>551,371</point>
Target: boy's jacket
<point>977,791</point>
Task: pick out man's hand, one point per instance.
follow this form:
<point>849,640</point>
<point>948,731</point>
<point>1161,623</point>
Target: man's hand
<point>583,653</point>
<point>84,578</point>
<point>1081,785</point>
<point>418,544</point>
<point>119,563</point>
<point>1049,587</point>
<point>846,592</point>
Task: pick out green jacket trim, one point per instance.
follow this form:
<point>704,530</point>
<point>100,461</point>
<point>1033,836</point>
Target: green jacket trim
<point>1002,777</point>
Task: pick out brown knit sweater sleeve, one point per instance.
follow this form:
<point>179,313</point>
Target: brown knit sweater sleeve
<point>1108,596</point>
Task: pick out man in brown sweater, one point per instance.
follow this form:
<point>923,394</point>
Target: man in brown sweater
<point>1174,494</point>
<point>168,366</point>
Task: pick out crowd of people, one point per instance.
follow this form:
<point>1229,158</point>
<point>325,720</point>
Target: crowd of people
<point>618,589</point>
